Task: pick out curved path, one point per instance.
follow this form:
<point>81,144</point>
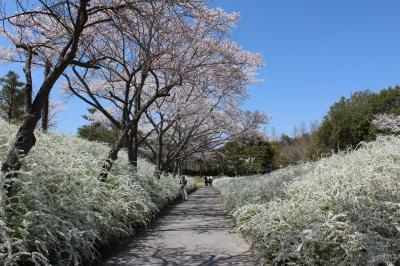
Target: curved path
<point>195,232</point>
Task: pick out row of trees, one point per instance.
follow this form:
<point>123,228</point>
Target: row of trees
<point>159,74</point>
<point>236,157</point>
<point>349,121</point>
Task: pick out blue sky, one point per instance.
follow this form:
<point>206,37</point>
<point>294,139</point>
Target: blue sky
<point>315,51</point>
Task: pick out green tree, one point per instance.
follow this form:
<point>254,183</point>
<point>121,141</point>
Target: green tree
<point>260,157</point>
<point>348,121</point>
<point>234,154</point>
<point>248,157</point>
<point>11,97</point>
<point>96,131</point>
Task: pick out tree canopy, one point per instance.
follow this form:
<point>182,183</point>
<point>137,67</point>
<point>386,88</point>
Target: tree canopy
<point>348,121</point>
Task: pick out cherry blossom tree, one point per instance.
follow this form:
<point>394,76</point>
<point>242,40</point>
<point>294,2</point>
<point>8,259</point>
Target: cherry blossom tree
<point>216,130</point>
<point>210,92</point>
<point>49,32</point>
<point>148,56</point>
<point>205,56</point>
<point>193,122</point>
<point>138,67</point>
<point>120,57</point>
<point>387,122</point>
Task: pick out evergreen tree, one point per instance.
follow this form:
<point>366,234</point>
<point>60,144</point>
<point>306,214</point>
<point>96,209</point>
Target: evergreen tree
<point>11,97</point>
<point>250,157</point>
<point>97,131</point>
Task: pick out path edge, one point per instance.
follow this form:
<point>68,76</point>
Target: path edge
<point>106,251</point>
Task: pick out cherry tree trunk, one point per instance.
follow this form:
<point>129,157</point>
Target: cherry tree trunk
<point>133,146</point>
<point>25,138</point>
<point>160,156</point>
<point>10,114</point>
<point>177,170</point>
<point>113,155</point>
<point>28,83</point>
<point>45,111</point>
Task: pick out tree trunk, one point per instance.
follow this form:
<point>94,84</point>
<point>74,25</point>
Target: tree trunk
<point>45,111</point>
<point>160,156</point>
<point>129,144</point>
<point>179,168</point>
<point>9,114</point>
<point>25,138</point>
<point>113,155</point>
<point>11,106</point>
<point>133,146</point>
<point>166,166</point>
<point>23,142</point>
<point>28,84</point>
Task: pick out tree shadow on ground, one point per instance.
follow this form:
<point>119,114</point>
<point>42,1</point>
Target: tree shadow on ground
<point>177,256</point>
<point>194,232</point>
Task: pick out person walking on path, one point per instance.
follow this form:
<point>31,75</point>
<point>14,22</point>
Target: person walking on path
<point>183,183</point>
<point>205,180</point>
<point>210,180</point>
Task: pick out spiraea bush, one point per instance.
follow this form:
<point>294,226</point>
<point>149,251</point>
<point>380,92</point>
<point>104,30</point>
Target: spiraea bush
<point>61,214</point>
<point>341,210</point>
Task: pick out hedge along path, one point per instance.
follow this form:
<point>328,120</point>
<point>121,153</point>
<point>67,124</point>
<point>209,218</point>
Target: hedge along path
<point>195,232</point>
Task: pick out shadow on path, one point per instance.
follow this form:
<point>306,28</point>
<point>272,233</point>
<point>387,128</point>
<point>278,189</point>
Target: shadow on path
<point>195,232</point>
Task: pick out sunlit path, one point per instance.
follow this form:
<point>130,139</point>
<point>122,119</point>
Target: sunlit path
<point>196,232</point>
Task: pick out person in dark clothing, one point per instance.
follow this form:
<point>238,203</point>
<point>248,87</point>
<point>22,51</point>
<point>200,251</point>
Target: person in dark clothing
<point>205,180</point>
<point>210,180</point>
<point>183,183</point>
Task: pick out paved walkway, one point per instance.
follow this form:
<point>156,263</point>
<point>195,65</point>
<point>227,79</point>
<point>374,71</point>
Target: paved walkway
<point>195,232</point>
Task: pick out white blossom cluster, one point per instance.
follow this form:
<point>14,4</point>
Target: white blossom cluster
<point>341,210</point>
<point>387,122</point>
<point>64,213</point>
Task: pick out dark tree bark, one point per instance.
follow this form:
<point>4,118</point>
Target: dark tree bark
<point>160,152</point>
<point>45,111</point>
<point>133,146</point>
<point>28,77</point>
<point>25,138</point>
<point>113,155</point>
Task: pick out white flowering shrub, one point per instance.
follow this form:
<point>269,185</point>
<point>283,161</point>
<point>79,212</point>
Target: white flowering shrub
<point>341,210</point>
<point>62,214</point>
<point>239,191</point>
<point>387,122</point>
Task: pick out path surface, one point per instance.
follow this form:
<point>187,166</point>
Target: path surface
<point>195,232</point>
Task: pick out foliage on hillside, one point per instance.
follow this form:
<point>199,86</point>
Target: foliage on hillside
<point>292,150</point>
<point>341,210</point>
<point>61,214</point>
<point>348,121</point>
